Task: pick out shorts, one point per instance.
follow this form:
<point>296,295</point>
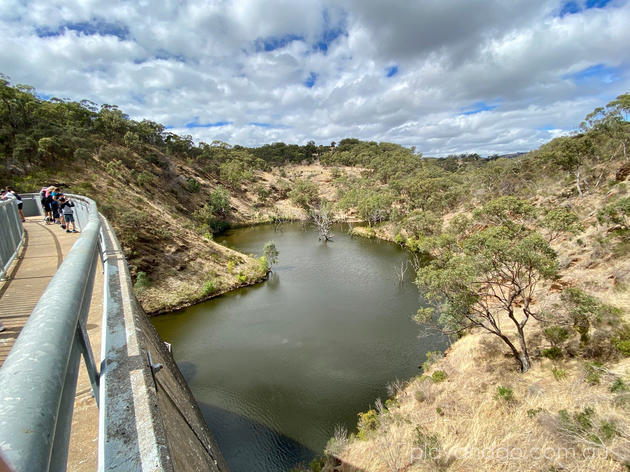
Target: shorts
<point>20,205</point>
<point>69,217</point>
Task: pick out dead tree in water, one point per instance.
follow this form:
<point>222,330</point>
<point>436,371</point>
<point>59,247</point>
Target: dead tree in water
<point>322,217</point>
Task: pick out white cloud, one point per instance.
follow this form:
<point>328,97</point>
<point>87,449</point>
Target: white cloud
<point>244,62</point>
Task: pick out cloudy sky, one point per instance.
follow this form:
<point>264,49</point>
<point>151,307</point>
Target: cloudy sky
<point>486,76</point>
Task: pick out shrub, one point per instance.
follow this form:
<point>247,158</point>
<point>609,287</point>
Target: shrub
<point>556,334</point>
<point>621,340</point>
<point>208,288</point>
<point>618,386</point>
<point>532,413</point>
<point>505,393</point>
<point>145,179</point>
<point>560,220</point>
<point>192,185</point>
<point>438,376</point>
<point>142,282</point>
<point>592,373</point>
<point>429,443</point>
<point>558,373</point>
<point>553,353</point>
<point>368,422</point>
<point>263,193</point>
<point>304,194</point>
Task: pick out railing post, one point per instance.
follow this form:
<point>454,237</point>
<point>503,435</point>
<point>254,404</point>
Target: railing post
<point>88,357</point>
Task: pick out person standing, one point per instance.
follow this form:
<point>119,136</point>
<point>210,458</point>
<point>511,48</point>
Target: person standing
<point>19,202</point>
<point>68,213</point>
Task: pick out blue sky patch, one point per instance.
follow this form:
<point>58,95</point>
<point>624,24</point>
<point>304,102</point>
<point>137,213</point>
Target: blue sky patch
<point>391,71</point>
<point>597,73</point>
<point>94,27</point>
<point>196,124</point>
<point>260,124</point>
<point>310,80</point>
<point>272,43</point>
<point>572,7</point>
<point>478,108</point>
<point>164,55</point>
<point>330,34</point>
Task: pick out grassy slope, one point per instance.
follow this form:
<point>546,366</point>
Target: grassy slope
<point>159,235</point>
<point>465,417</point>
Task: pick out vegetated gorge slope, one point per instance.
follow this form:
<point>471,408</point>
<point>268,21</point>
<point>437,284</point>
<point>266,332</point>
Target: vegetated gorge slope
<point>525,258</point>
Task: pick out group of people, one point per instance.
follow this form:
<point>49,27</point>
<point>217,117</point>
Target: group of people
<point>58,209</point>
<point>10,194</point>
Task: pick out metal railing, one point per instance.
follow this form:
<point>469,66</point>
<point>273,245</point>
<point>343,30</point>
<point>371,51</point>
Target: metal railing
<point>39,377</point>
<point>141,428</point>
<point>11,234</point>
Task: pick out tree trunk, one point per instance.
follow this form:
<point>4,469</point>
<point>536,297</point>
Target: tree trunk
<point>577,183</point>
<point>517,355</point>
<point>524,356</point>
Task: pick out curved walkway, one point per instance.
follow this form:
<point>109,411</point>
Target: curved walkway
<point>42,253</point>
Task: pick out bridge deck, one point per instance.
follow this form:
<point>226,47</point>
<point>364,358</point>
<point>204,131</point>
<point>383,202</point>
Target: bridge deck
<point>44,249</point>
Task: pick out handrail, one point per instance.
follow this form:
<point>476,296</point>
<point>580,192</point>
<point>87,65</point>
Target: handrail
<point>38,379</point>
<point>141,427</point>
<point>11,234</point>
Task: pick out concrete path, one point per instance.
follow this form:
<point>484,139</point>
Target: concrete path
<point>44,249</point>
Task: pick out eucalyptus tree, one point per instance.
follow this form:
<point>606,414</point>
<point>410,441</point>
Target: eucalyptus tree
<point>488,275</point>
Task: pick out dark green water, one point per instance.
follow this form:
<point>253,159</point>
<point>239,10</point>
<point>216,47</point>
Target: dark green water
<point>276,366</point>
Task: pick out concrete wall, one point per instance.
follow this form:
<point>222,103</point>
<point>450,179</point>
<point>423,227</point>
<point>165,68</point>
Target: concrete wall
<point>150,418</point>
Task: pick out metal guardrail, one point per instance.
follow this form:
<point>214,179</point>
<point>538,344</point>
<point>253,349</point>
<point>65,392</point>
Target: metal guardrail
<point>11,234</point>
<point>141,427</point>
<point>39,377</point>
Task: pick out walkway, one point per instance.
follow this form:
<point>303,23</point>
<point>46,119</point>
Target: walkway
<point>43,251</point>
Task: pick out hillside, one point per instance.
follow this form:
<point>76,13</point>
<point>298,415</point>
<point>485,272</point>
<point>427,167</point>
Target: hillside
<point>525,258</point>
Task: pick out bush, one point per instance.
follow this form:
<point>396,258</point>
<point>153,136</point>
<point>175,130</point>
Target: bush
<point>618,386</point>
<point>208,288</point>
<point>145,179</point>
<point>592,373</point>
<point>556,334</point>
<point>553,353</point>
<point>558,373</point>
<point>505,393</point>
<point>621,340</point>
<point>438,376</point>
<point>368,422</point>
<point>192,185</point>
<point>143,282</point>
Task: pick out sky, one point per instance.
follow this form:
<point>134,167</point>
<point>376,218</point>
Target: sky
<point>448,77</point>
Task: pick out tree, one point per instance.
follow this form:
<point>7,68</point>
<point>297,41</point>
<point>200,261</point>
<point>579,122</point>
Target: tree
<point>560,220</point>
<point>270,254</point>
<point>304,194</point>
<point>322,217</point>
<point>375,206</point>
<point>215,211</point>
<point>493,273</point>
<point>572,154</point>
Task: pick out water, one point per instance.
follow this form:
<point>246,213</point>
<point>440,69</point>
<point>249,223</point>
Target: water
<point>276,366</point>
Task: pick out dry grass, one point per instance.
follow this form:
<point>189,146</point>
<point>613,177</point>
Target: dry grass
<point>463,424</point>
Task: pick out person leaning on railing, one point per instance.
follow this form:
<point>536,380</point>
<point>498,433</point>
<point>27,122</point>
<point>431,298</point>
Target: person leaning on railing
<point>16,195</point>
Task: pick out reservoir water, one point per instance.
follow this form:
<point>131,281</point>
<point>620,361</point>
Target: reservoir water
<point>277,366</point>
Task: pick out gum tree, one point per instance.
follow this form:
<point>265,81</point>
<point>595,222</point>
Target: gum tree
<point>489,276</point>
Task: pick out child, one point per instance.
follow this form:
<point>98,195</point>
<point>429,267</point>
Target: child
<point>68,213</point>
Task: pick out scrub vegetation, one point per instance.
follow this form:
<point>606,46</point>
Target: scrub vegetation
<point>525,259</point>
